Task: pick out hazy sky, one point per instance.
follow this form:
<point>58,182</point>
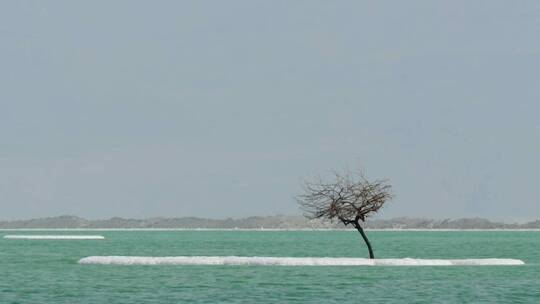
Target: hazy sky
<point>220,108</point>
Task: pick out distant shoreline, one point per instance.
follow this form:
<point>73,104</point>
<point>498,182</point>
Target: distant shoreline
<point>275,229</point>
<point>255,223</point>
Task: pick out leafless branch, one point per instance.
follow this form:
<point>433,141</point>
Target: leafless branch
<point>349,197</point>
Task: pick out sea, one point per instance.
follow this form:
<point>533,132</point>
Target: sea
<point>48,270</point>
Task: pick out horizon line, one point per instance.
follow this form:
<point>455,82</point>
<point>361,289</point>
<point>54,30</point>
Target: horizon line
<point>495,221</point>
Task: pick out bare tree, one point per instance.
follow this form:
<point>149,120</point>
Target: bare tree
<point>350,198</point>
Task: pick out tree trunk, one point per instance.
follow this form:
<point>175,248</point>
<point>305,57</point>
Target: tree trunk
<point>364,236</point>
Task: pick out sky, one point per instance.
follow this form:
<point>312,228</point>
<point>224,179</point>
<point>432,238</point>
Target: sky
<point>221,108</point>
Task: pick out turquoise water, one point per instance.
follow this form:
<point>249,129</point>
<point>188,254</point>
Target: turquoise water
<point>46,271</point>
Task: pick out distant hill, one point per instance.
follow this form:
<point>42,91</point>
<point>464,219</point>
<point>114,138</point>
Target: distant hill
<point>258,222</point>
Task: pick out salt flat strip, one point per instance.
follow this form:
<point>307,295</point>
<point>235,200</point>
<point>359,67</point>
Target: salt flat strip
<point>288,261</point>
<point>55,237</point>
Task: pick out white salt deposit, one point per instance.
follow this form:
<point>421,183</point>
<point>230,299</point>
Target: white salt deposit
<point>288,261</point>
<point>55,237</point>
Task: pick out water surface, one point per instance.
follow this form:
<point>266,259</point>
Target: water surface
<point>46,271</point>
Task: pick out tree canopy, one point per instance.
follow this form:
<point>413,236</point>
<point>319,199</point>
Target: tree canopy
<point>348,197</point>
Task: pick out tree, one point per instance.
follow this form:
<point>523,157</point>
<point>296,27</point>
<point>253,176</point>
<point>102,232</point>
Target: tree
<point>350,198</point>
